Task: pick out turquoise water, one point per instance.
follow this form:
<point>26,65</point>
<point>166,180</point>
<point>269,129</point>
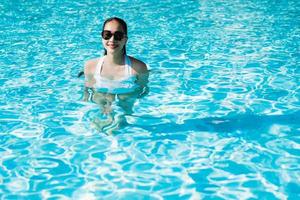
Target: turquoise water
<point>220,121</point>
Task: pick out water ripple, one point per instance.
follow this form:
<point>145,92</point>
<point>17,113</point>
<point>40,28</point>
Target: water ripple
<point>220,120</point>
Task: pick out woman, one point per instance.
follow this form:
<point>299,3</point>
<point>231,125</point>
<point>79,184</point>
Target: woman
<point>115,75</point>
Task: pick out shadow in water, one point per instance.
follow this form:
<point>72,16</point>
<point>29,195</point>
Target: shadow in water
<point>243,122</point>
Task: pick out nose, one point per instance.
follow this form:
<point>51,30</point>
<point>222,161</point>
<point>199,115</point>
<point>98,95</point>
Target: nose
<point>112,39</point>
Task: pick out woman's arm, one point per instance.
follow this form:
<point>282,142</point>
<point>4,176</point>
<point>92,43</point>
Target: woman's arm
<point>141,71</point>
<point>89,70</point>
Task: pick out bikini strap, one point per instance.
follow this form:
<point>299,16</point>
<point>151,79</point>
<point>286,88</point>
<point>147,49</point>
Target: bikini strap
<point>128,65</point>
<point>99,65</point>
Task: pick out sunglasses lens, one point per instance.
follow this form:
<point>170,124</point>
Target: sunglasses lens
<point>118,35</point>
<point>106,35</point>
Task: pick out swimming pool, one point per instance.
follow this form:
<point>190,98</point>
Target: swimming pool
<point>221,120</point>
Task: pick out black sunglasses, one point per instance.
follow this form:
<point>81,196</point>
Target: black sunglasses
<point>118,35</point>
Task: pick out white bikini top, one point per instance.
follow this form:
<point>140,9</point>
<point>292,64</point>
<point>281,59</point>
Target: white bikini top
<point>121,86</point>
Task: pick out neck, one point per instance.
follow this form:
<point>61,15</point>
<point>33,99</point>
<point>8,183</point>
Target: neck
<point>115,58</point>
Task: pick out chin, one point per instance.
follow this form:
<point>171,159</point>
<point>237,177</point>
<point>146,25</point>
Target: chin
<point>113,51</point>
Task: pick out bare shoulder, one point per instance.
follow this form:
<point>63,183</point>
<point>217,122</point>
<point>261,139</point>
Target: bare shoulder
<point>138,65</point>
<point>90,66</point>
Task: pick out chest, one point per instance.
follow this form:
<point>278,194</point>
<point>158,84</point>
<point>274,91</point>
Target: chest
<point>114,72</point>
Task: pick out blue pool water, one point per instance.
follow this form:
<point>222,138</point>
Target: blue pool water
<point>221,120</point>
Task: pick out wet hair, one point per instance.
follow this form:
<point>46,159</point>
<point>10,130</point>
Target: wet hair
<point>124,26</point>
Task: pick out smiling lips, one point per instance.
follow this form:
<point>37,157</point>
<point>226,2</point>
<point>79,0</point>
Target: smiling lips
<point>113,46</point>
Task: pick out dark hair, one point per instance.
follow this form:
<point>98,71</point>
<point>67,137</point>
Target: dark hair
<point>123,24</point>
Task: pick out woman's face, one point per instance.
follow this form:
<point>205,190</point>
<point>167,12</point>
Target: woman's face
<point>114,45</point>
